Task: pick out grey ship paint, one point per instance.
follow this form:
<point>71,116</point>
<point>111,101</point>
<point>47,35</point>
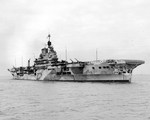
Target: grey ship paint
<point>47,67</point>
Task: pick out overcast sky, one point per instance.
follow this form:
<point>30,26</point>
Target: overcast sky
<point>117,29</point>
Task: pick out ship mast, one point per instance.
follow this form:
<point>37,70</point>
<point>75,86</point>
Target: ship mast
<point>66,54</point>
<point>49,37</point>
<point>96,55</point>
<point>15,62</point>
<point>49,42</point>
<point>22,61</point>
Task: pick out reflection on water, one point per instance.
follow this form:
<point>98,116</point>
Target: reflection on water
<point>38,100</point>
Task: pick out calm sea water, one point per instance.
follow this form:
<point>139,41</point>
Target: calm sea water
<point>38,100</point>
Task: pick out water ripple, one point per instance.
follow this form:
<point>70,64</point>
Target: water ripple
<point>31,100</point>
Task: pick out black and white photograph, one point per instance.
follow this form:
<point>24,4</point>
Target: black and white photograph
<point>74,60</point>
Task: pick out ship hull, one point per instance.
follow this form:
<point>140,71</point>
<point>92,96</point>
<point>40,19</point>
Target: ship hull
<point>78,78</point>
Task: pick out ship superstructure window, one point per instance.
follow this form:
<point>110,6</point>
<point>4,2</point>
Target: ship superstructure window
<point>66,69</point>
<point>107,67</point>
<point>65,73</point>
<point>69,73</point>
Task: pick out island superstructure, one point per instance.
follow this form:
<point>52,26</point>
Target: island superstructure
<point>48,67</point>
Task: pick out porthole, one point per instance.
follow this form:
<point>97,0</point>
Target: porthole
<point>93,68</point>
<point>99,67</point>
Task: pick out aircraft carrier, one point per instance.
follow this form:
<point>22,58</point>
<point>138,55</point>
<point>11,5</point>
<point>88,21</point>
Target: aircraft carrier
<point>48,67</point>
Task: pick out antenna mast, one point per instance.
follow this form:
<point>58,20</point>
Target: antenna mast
<point>66,53</point>
<point>96,55</point>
